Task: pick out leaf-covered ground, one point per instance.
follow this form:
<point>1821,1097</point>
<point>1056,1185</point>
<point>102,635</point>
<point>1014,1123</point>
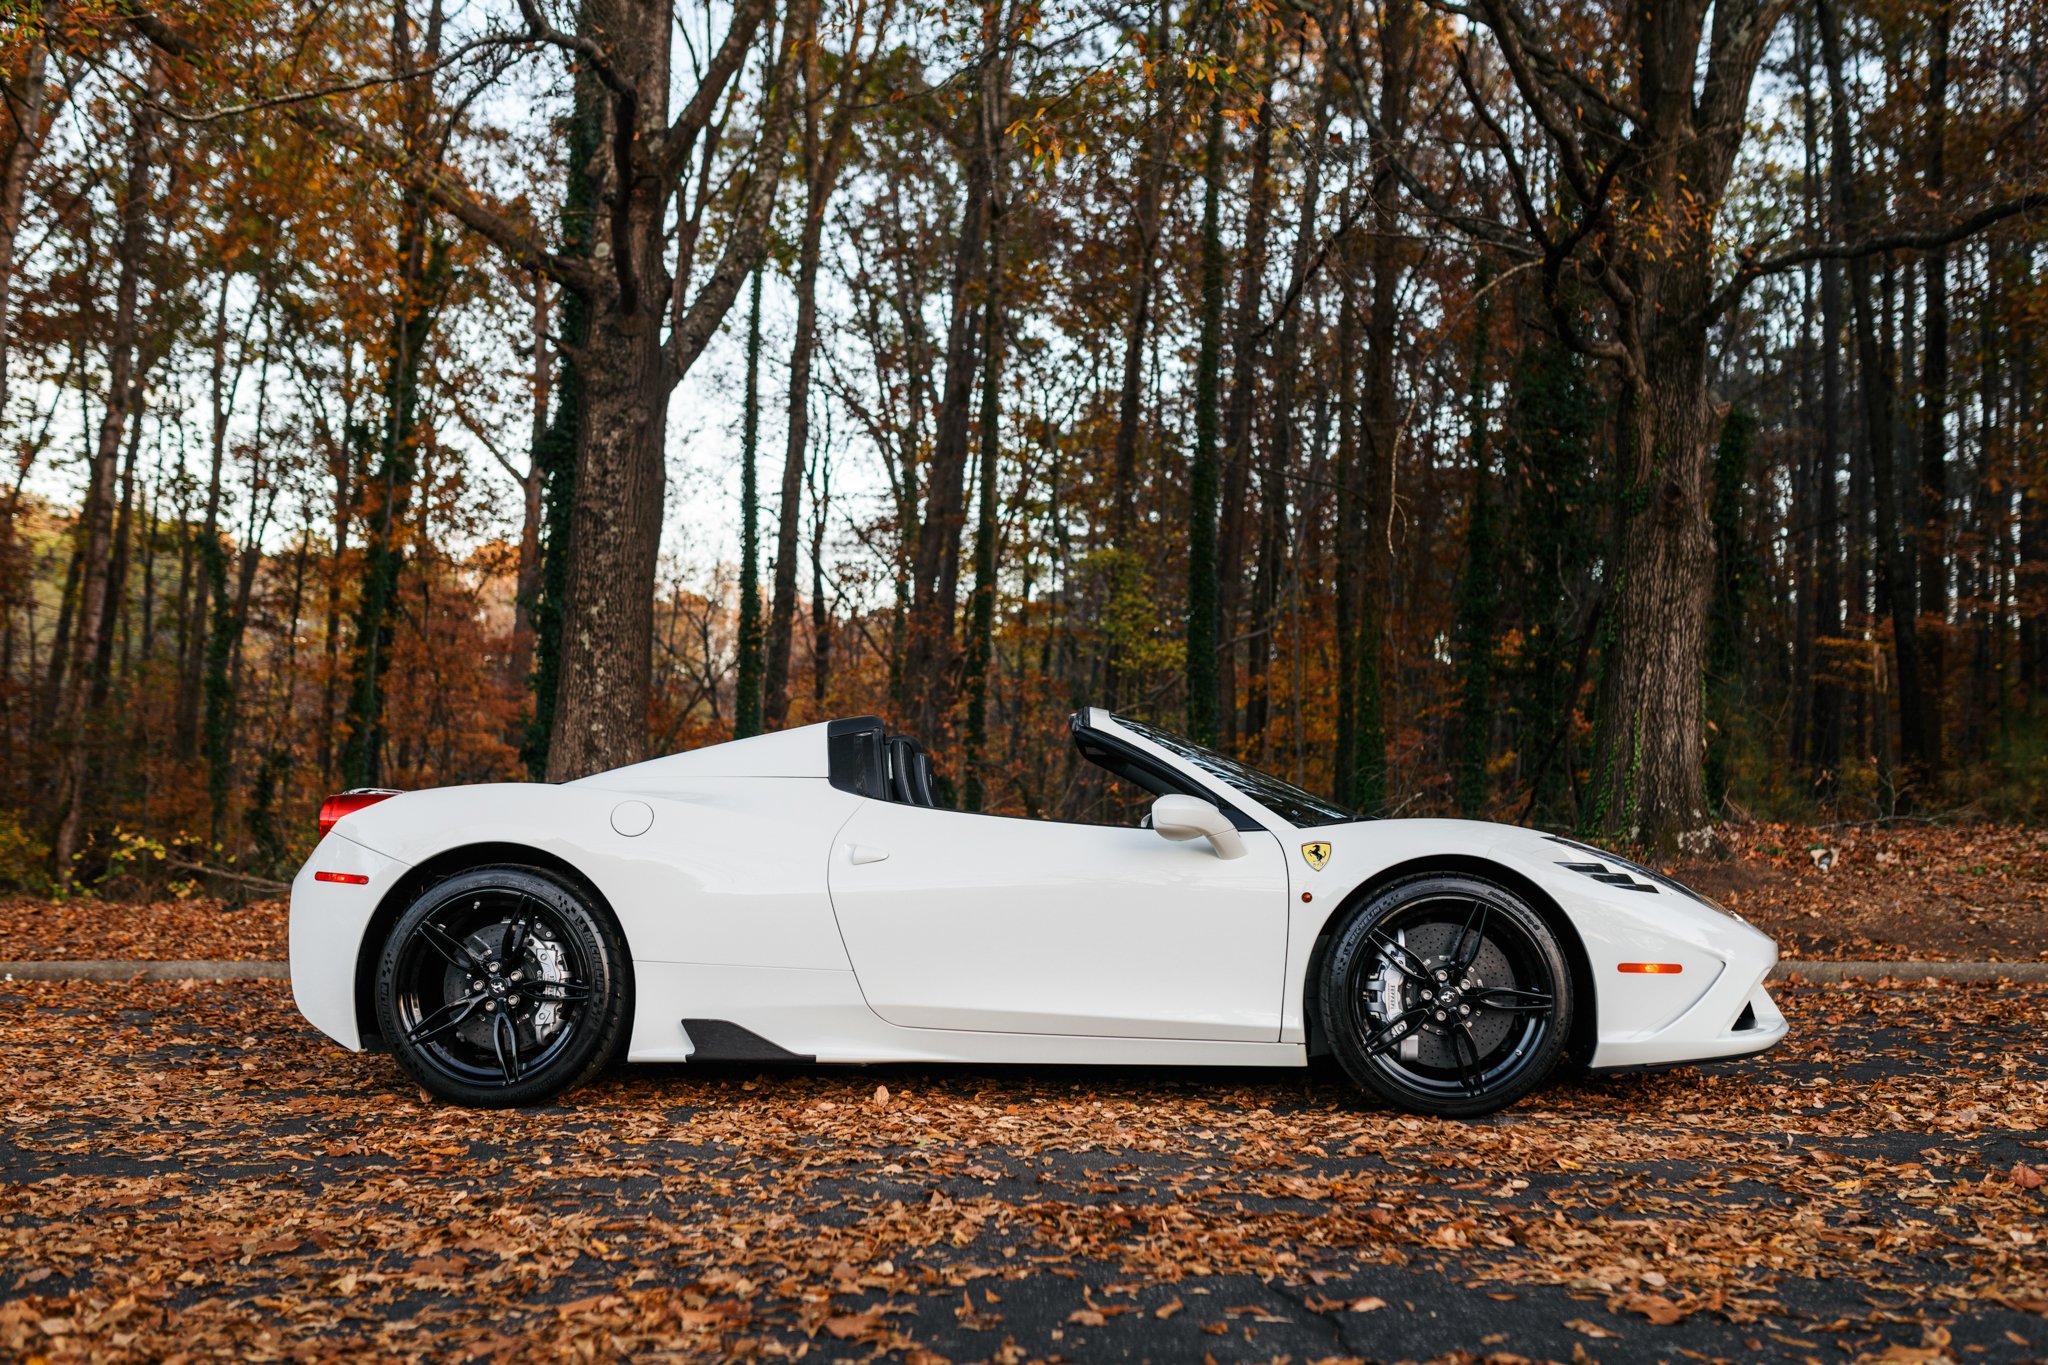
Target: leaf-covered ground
<point>189,1171</point>
<point>1964,892</point>
<point>176,930</point>
<point>1969,892</point>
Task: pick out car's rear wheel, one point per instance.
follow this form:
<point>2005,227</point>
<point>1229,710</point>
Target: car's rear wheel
<point>1447,995</point>
<point>503,986</point>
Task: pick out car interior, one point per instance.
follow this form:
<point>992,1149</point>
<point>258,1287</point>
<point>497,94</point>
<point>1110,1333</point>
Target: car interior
<point>865,759</point>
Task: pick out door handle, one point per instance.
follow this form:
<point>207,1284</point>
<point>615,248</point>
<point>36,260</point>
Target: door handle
<point>861,853</point>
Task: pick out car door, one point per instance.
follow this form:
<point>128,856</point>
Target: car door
<point>982,922</point>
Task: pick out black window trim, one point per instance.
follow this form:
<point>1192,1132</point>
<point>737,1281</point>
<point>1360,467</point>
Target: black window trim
<point>1154,774</point>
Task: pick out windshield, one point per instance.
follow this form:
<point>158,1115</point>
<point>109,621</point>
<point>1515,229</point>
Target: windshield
<point>1284,799</point>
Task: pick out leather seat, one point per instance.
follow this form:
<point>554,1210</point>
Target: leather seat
<point>910,773</point>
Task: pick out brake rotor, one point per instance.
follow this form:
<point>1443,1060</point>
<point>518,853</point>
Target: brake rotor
<point>1395,993</point>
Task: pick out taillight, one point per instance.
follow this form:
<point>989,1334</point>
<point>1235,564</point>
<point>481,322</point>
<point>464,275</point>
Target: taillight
<point>348,803</point>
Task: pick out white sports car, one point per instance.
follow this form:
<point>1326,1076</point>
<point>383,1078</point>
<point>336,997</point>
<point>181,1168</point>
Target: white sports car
<point>801,897</point>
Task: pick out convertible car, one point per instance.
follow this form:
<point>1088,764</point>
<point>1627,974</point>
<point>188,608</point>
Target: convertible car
<point>803,897</point>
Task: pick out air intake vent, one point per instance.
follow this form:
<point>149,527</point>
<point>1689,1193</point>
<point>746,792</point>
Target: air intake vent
<point>1746,1020</point>
<point>1601,872</point>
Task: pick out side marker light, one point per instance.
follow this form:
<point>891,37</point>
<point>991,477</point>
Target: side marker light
<point>345,878</point>
<point>1653,968</point>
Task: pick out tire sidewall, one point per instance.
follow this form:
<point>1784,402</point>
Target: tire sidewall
<point>597,939</point>
<point>1352,941</point>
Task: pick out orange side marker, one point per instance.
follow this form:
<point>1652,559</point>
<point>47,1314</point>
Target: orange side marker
<point>1652,968</point>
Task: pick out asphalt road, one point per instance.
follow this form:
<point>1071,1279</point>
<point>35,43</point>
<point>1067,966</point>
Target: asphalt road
<point>186,1168</point>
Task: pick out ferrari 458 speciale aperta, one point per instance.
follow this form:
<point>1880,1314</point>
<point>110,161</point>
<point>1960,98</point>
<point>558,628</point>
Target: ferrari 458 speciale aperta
<point>805,896</point>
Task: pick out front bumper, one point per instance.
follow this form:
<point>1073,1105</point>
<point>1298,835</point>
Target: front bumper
<point>1728,1021</point>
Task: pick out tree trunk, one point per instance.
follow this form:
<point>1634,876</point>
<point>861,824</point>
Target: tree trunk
<point>1204,475</point>
<point>600,720</point>
<point>1479,594</point>
<point>1382,416</point>
<point>935,568</point>
<point>1348,548</point>
<point>192,655</point>
<point>554,454</point>
<point>1934,389</point>
<point>1732,575</point>
<point>821,608</point>
<point>421,262</point>
<point>113,608</point>
<point>1157,157</point>
<point>1805,459</point>
<point>1237,436</point>
<point>26,95</point>
<point>526,591</point>
<point>97,517</point>
<point>746,709</point>
<point>820,179</point>
<point>1825,761</point>
<point>1280,443</point>
<point>342,471</point>
<point>1895,572</point>
<point>982,611</point>
<point>594,645</point>
<point>1648,778</point>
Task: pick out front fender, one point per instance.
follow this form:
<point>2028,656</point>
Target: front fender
<point>1638,1018</point>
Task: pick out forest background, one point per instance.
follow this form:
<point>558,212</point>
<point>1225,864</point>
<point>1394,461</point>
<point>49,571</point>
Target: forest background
<point>1610,417</point>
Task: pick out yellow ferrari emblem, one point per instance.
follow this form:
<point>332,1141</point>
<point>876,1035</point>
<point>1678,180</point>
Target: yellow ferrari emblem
<point>1317,854</point>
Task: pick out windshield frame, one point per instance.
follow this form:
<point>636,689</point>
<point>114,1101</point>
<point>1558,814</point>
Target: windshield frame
<point>1274,796</point>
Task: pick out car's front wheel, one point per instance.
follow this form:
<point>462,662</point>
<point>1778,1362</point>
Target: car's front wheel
<point>503,986</point>
<point>1446,995</point>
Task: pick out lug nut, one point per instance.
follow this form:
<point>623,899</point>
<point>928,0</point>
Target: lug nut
<point>1462,1009</point>
<point>1440,1016</point>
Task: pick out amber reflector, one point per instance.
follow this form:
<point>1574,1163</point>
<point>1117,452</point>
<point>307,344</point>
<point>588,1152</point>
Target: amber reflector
<point>1653,968</point>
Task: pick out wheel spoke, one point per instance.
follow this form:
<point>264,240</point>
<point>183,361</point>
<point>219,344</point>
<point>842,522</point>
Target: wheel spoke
<point>434,1025</point>
<point>448,946</point>
<point>508,1058</point>
<point>1511,1000</point>
<point>1394,1030</point>
<point>1398,957</point>
<point>1466,1053</point>
<point>1475,930</point>
<point>566,992</point>
<point>514,943</point>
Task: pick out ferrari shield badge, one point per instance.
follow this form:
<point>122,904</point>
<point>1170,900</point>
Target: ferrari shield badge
<point>1316,855</point>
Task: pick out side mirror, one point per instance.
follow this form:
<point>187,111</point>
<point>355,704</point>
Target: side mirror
<point>1181,818</point>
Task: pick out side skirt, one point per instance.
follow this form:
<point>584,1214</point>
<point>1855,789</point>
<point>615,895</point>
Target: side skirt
<point>721,1040</point>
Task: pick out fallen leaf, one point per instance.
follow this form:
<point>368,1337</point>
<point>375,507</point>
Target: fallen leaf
<point>852,1324</point>
<point>1655,1307</point>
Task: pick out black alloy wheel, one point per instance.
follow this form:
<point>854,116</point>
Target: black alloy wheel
<point>503,986</point>
<point>1447,995</point>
